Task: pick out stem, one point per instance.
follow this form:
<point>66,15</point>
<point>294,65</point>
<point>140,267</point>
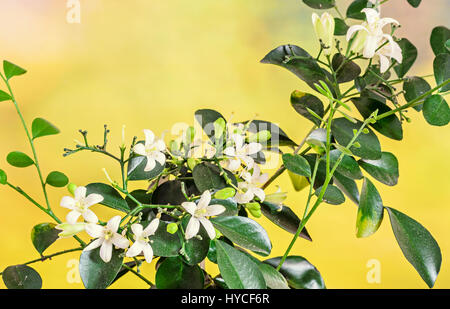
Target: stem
<point>138,274</point>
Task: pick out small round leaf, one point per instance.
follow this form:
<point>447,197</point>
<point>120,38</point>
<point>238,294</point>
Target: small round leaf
<point>57,179</point>
<point>19,159</point>
<point>21,277</point>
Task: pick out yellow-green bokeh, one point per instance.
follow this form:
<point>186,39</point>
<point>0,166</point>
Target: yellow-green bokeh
<point>152,63</point>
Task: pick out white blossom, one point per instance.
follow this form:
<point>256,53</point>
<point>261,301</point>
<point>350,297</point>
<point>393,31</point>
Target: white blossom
<point>324,28</point>
<point>79,204</point>
<point>69,230</point>
<point>106,237</point>
<point>240,152</point>
<point>199,212</point>
<point>142,243</point>
<point>152,149</point>
<point>250,187</point>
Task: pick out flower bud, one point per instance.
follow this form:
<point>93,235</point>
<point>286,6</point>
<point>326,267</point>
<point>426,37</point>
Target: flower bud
<point>324,28</point>
<point>255,213</point>
<point>172,228</point>
<point>71,188</point>
<point>279,197</point>
<point>225,193</point>
<point>253,206</point>
<point>69,230</point>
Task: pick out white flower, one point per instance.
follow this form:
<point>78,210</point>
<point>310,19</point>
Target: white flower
<point>141,243</point>
<point>390,50</point>
<point>106,237</point>
<point>152,150</point>
<point>201,149</point>
<point>69,230</point>
<point>80,205</point>
<point>251,186</point>
<point>240,152</point>
<point>324,28</point>
<point>370,34</point>
<point>199,213</point>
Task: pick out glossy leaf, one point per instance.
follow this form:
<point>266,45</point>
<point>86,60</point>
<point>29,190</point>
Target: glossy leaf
<point>231,208</point>
<point>43,235</point>
<point>284,217</point>
<point>274,279</point>
<point>136,166</point>
<point>4,96</point>
<point>173,273</point>
<point>299,273</point>
<point>170,192</point>
<point>436,110</point>
<point>348,166</point>
<point>19,159</point>
<point>244,232</point>
<point>297,164</point>
<point>300,101</point>
<point>347,186</point>
<point>164,243</point>
<point>11,69</point>
<point>340,27</point>
<point>389,126</point>
<point>346,71</point>
<point>208,176</point>
<point>237,269</point>
<point>414,3</point>
<point>441,66</point>
<point>332,195</point>
<point>409,53</point>
<point>439,36</point>
<point>21,277</point>
<point>417,244</point>
<point>342,130</point>
<point>111,197</point>
<point>370,210</point>
<point>384,170</point>
<point>195,250</point>
<point>95,273</point>
<point>143,197</point>
<point>206,118</point>
<point>277,136</point>
<point>57,179</point>
<point>41,127</point>
<point>354,9</point>
<point>320,4</point>
<point>3,177</point>
<point>413,88</point>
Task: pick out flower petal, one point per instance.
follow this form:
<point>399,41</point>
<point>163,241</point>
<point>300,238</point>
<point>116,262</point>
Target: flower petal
<point>106,251</point>
<point>192,228</point>
<point>149,137</point>
<point>93,245</point>
<point>259,193</point>
<point>80,193</point>
<point>190,207</point>
<point>90,216</point>
<point>214,210</point>
<point>93,199</point>
<point>204,200</point>
<point>113,224</point>
<point>354,29</point>
<point>148,253</point>
<point>73,216</point>
<point>151,228</point>
<point>140,149</point>
<point>208,227</point>
<point>119,241</point>
<point>137,229</point>
<point>68,202</point>
<point>151,163</point>
<point>159,157</point>
<point>135,249</point>
<point>94,230</point>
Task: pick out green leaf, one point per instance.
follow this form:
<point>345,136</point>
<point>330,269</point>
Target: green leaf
<point>12,70</point>
<point>170,192</point>
<point>332,195</point>
<point>237,269</point>
<point>4,96</point>
<point>354,9</point>
<point>439,36</point>
<point>347,186</point>
<point>320,4</point>
<point>389,126</point>
<point>277,136</point>
<point>19,159</point>
<point>43,235</point>
<point>206,118</point>
<point>41,127</point>
<point>413,88</point>
<point>370,210</point>
<point>284,217</point>
<point>385,169</point>
<point>208,176</point>
<point>136,167</point>
<point>173,273</point>
<point>3,177</point>
<point>95,273</point>
<point>414,3</point>
<point>417,244</point>
<point>441,67</point>
<point>195,250</point>
<point>57,179</point>
<point>274,279</point>
<point>300,101</point>
<point>162,242</point>
<point>21,277</point>
<point>299,182</point>
<point>342,130</point>
<point>244,232</point>
<point>297,164</point>
<point>409,53</point>
<point>111,197</point>
<point>299,273</point>
<point>436,110</point>
<point>348,166</point>
<point>297,61</point>
<point>346,71</point>
<point>231,207</point>
<point>143,197</point>
<point>340,27</point>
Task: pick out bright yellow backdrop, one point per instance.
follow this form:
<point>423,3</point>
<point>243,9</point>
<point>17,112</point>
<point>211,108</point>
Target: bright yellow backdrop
<point>149,64</point>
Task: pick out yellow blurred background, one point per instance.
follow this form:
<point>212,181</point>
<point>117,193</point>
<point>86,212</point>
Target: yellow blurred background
<point>149,64</point>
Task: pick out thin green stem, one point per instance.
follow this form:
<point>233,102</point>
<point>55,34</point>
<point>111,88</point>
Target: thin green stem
<point>138,275</point>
